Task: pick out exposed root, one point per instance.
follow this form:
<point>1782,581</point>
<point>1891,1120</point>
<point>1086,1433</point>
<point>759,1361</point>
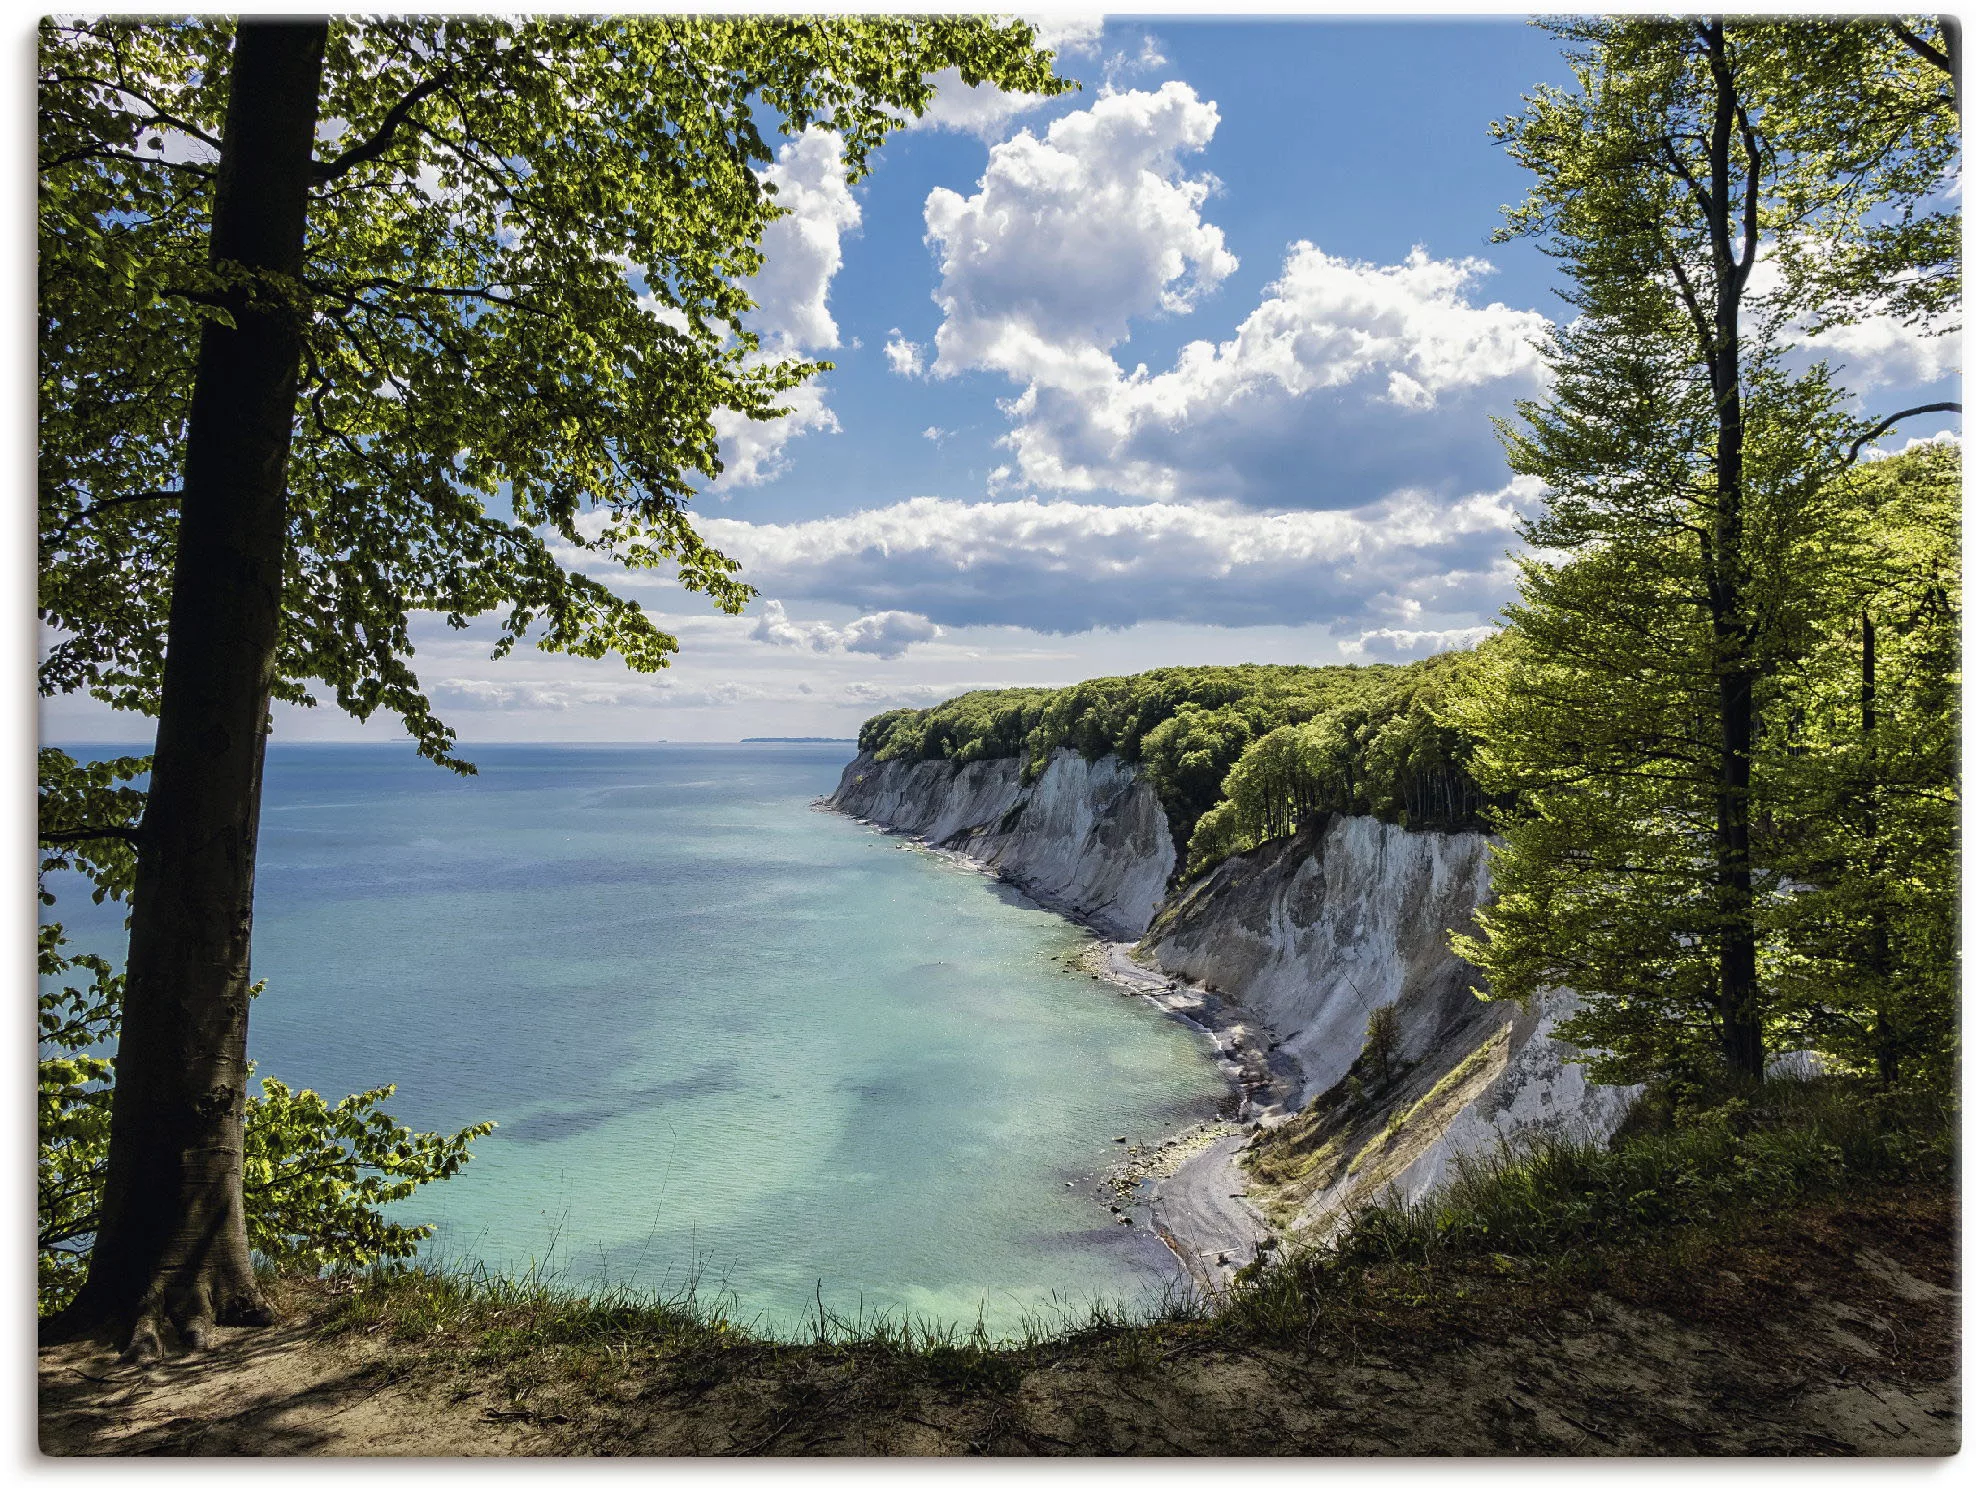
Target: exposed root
<point>181,1319</point>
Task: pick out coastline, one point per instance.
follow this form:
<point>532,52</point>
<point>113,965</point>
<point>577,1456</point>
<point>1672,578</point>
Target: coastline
<point>1190,1185</point>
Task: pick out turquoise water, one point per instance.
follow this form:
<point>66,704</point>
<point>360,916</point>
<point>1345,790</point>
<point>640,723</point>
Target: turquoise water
<point>731,1041</point>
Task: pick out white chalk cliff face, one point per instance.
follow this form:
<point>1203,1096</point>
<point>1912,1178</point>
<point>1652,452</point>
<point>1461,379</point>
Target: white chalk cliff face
<point>1304,936</point>
<point>1086,838</point>
<point>1310,933</point>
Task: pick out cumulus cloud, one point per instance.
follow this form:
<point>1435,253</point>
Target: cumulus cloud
<point>756,450</point>
<point>886,634</point>
<point>1346,380</point>
<point>1408,560</point>
<point>1069,236</point>
<point>903,356</point>
<point>1881,352</point>
<point>802,253</point>
<point>984,110</point>
<point>803,250</point>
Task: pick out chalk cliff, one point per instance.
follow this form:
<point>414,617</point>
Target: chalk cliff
<point>1086,838</point>
<point>1299,940</point>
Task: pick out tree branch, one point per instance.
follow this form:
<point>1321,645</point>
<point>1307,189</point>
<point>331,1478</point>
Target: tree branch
<point>1921,48</point>
<point>60,535</point>
<point>87,834</point>
<point>379,142</point>
<point>1889,421</point>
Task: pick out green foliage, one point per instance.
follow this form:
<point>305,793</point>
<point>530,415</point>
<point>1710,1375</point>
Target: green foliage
<point>1338,738</point>
<point>88,820</point>
<point>1804,1141</point>
<point>1382,1041</point>
<point>316,1173</point>
<point>72,1104</point>
<point>1390,752</point>
<point>1862,951</point>
<point>524,285</point>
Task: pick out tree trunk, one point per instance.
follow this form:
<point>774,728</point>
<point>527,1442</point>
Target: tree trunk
<point>1878,950</point>
<point>171,1248</point>
<point>1742,1026</point>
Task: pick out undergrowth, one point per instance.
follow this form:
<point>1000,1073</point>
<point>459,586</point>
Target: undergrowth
<point>1670,1181</point>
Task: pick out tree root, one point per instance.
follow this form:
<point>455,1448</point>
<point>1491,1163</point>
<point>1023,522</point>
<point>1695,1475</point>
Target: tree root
<point>182,1320</point>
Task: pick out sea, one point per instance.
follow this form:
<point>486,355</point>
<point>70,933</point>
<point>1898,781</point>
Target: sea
<point>736,1046</point>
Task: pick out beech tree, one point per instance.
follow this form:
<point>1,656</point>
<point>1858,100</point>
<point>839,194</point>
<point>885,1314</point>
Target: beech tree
<point>343,322</point>
<point>1861,947</point>
<point>1715,189</point>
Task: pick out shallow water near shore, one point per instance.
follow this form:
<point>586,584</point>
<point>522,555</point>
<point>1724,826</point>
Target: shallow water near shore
<point>731,1040</point>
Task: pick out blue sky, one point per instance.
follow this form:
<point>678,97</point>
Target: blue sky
<point>1196,364</point>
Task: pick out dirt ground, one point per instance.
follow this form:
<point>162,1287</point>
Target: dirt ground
<point>1834,1334</point>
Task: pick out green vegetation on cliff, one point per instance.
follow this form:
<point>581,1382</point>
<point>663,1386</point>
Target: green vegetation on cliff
<point>1238,754</point>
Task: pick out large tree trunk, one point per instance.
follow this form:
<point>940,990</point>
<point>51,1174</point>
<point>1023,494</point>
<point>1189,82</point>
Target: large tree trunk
<point>1737,1005</point>
<point>171,1251</point>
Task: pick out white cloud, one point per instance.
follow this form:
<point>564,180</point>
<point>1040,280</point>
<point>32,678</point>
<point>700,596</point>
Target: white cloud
<point>802,253</point>
<point>1347,379</point>
<point>755,450</point>
<point>1070,236</point>
<point>984,110</point>
<point>1068,35</point>
<point>903,356</point>
<point>1881,352</point>
<point>1389,644</point>
<point>1320,398</point>
<point>887,634</point>
<point>1149,58</point>
<point>1065,566</point>
<point>1879,452</point>
<point>879,695</point>
<point>935,433</point>
<point>803,250</point>
<point>560,695</point>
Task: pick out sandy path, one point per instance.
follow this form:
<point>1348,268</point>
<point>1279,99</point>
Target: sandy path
<point>277,1391</point>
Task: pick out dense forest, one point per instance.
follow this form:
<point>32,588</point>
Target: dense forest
<point>1238,754</point>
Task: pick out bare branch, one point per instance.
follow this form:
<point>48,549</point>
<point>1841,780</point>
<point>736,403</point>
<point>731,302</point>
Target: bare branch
<point>379,142</point>
<point>1889,421</point>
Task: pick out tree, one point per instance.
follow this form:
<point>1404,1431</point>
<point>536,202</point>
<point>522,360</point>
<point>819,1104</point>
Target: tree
<point>1694,481</point>
<point>1861,947</point>
<point>288,389</point>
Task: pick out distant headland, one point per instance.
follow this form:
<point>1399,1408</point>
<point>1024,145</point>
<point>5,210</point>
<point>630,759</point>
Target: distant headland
<point>803,739</point>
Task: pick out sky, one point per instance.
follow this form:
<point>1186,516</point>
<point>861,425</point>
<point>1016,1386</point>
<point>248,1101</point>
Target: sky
<point>1197,364</point>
